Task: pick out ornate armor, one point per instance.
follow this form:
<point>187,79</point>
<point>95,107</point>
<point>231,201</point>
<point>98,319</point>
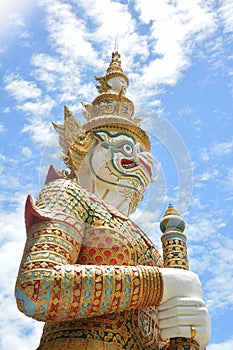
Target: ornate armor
<point>89,272</point>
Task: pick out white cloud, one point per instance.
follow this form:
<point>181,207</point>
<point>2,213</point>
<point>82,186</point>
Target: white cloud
<point>28,96</point>
<point>40,131</point>
<point>62,76</point>
<point>12,18</point>
<point>147,221</point>
<point>202,228</point>
<point>186,110</point>
<point>229,178</point>
<point>21,89</point>
<point>8,179</point>
<point>217,149</point>
<point>20,28</point>
<point>48,69</point>
<point>208,175</point>
<point>2,128</point>
<point>210,255</point>
<point>68,32</point>
<point>40,107</point>
<point>7,110</point>
<point>111,19</point>
<point>225,345</point>
<point>226,15</point>
<point>11,6</point>
<point>220,149</point>
<point>177,27</point>
<point>174,31</point>
<point>27,152</point>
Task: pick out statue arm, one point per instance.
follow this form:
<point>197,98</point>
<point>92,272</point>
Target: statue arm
<point>51,286</point>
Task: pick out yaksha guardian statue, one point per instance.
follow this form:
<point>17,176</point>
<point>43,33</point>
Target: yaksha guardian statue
<point>88,271</point>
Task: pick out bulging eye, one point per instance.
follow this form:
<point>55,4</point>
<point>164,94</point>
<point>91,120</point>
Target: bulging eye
<point>127,149</point>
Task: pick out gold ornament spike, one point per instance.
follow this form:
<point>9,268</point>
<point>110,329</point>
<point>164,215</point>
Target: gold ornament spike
<point>59,128</point>
<point>87,111</point>
<point>68,133</point>
<point>73,127</point>
<point>103,87</point>
<point>116,47</point>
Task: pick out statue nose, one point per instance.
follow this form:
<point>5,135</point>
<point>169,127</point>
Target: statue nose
<point>136,151</point>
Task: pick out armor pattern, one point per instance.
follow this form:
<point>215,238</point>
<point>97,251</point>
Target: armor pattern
<point>89,272</point>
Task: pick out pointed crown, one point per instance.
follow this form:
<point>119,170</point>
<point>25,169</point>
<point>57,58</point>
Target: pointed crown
<point>115,69</point>
<point>110,110</point>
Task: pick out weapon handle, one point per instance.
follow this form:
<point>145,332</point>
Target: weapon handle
<point>175,256</point>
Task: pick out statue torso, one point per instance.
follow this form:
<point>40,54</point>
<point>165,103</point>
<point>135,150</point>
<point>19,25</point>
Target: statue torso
<point>109,238</point>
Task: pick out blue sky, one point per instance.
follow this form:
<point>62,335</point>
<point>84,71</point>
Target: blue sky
<point>178,57</point>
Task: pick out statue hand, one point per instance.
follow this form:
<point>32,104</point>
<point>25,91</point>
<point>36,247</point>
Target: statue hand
<point>182,307</point>
<point>177,315</point>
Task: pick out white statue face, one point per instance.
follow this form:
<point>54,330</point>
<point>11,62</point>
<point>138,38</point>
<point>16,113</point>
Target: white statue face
<point>119,162</point>
<point>116,83</point>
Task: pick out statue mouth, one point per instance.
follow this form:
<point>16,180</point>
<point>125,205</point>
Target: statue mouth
<point>128,163</point>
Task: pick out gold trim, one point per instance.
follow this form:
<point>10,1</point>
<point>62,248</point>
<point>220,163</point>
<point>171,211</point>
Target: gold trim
<point>193,332</point>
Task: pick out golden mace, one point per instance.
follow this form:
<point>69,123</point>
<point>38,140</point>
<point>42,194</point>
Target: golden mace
<point>175,255</point>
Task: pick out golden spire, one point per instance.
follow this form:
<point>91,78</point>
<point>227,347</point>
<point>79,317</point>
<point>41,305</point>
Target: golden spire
<point>115,80</point>
<point>116,45</point>
<point>114,69</point>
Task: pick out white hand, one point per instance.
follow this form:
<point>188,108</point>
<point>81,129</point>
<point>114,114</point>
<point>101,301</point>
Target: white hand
<point>182,307</point>
<point>177,315</point>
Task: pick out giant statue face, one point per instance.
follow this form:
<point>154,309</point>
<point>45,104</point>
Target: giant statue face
<point>117,163</point>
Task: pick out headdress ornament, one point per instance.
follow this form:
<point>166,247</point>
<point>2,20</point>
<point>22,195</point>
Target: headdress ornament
<point>110,110</point>
<point>114,70</point>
